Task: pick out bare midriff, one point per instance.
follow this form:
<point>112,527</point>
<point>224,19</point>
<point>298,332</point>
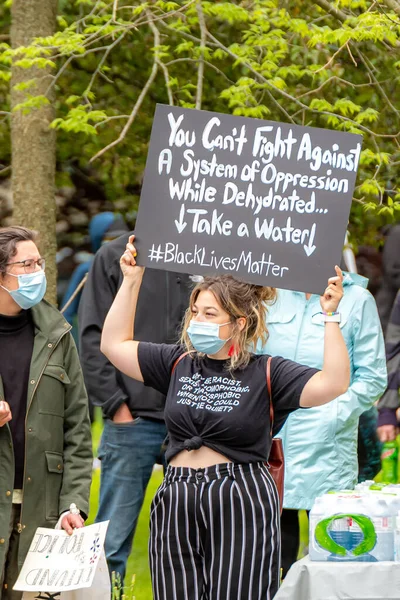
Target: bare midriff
<point>198,459</point>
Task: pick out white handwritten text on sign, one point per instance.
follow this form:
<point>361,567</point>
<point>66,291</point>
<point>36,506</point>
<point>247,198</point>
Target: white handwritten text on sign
<point>268,202</point>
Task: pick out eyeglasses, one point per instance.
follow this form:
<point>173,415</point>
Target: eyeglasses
<point>30,264</point>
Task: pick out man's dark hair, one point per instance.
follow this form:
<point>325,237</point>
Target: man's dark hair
<point>9,238</point>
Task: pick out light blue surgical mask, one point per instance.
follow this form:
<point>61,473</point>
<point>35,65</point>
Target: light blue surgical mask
<point>205,336</point>
<point>31,289</point>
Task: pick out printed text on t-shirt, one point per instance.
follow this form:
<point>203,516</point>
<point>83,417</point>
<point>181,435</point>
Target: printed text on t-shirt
<point>218,394</point>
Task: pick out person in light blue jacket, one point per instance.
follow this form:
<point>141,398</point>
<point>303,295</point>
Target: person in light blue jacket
<point>320,444</point>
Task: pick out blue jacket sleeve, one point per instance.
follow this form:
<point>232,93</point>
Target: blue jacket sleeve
<point>368,361</point>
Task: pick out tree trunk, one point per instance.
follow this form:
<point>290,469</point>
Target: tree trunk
<point>33,143</point>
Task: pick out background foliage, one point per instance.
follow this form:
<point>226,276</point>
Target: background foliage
<point>325,64</point>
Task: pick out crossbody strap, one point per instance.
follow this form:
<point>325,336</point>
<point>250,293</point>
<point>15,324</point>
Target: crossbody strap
<point>271,406</point>
<point>178,360</point>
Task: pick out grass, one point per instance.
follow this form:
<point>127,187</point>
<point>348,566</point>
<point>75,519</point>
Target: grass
<point>138,564</point>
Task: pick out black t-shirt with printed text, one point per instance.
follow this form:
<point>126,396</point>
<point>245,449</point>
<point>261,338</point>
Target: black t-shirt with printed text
<point>226,411</point>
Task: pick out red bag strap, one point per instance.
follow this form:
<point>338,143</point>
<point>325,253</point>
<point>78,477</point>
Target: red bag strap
<point>178,360</point>
<point>271,406</point>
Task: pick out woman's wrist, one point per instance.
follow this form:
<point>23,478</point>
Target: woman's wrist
<point>331,316</point>
<point>133,281</point>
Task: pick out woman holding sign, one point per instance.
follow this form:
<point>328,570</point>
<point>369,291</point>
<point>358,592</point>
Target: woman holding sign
<point>215,519</point>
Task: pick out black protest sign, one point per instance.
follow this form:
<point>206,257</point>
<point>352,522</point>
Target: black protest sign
<point>263,201</point>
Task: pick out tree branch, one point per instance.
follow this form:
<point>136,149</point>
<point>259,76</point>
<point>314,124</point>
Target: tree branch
<point>332,58</point>
<point>280,107</point>
<point>392,4</point>
<point>186,35</point>
<point>296,100</point>
<point>376,82</point>
<point>206,62</point>
<point>167,83</point>
<point>203,40</point>
<point>139,101</point>
<point>332,78</point>
<point>102,61</point>
<point>112,118</point>
<point>332,10</point>
<point>342,17</point>
<point>162,65</point>
<point>115,9</point>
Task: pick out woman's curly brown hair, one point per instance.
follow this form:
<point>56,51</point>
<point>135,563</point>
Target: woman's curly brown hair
<point>238,299</point>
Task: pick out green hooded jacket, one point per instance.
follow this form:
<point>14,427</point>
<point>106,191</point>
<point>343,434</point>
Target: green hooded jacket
<point>58,446</point>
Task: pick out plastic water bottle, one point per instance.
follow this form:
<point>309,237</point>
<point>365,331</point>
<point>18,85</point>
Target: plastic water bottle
<point>340,530</point>
<point>389,462</point>
<point>397,539</point>
<point>351,520</point>
<point>316,514</point>
<point>383,517</point>
<point>364,485</point>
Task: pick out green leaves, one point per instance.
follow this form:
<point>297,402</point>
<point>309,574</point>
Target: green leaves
<point>79,119</point>
<point>30,104</point>
<point>321,105</point>
<point>369,115</point>
<point>167,6</point>
<point>227,11</point>
<point>185,46</point>
<point>25,85</point>
<point>371,187</point>
<point>291,61</point>
<point>346,107</point>
<point>40,63</point>
<point>368,157</point>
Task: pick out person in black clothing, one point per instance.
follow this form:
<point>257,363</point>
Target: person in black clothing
<point>391,276</point>
<point>388,405</point>
<point>215,519</point>
<point>134,428</point>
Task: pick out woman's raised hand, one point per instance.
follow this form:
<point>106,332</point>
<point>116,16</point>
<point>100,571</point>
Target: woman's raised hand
<point>333,293</point>
<point>128,261</point>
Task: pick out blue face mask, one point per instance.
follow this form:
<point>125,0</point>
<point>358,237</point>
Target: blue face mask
<point>205,336</point>
<point>31,290</point>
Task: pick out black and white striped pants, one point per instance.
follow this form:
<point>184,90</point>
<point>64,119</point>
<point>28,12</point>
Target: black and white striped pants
<point>215,534</point>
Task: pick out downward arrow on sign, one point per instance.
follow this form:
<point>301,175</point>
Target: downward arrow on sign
<point>180,225</point>
<point>309,248</point>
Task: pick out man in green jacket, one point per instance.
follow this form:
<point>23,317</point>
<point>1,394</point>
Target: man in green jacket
<point>45,440</point>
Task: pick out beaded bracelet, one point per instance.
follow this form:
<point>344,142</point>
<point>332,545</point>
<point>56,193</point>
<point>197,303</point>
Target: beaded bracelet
<point>331,317</point>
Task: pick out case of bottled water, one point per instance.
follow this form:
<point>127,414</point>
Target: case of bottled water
<point>356,525</point>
